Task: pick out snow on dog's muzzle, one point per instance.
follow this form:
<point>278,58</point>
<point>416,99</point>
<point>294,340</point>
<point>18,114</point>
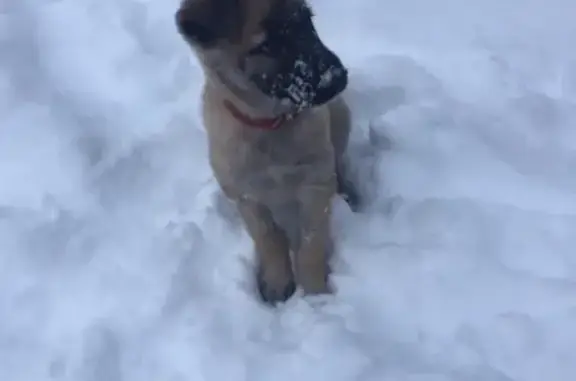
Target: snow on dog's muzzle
<point>310,76</point>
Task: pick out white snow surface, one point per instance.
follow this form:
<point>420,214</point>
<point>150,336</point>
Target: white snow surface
<point>116,264</point>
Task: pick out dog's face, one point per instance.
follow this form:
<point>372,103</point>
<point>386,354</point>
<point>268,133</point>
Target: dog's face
<point>272,44</point>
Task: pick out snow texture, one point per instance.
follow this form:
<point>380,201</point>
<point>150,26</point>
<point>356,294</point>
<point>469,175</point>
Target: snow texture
<point>116,264</point>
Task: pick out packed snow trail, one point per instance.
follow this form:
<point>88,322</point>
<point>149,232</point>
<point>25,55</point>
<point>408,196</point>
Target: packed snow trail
<point>116,265</point>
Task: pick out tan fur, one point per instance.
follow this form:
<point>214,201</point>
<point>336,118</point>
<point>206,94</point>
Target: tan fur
<point>282,181</point>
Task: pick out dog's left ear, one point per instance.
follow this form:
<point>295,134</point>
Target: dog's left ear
<point>205,22</point>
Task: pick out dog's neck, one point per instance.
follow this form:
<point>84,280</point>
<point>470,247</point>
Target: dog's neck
<point>270,123</point>
<point>250,108</point>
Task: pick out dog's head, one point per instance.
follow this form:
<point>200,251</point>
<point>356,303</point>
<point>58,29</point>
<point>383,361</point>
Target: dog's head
<point>271,45</point>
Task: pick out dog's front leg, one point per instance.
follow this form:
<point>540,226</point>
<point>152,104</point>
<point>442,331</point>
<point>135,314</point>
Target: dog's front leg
<point>274,277</point>
<point>346,188</point>
<point>315,248</point>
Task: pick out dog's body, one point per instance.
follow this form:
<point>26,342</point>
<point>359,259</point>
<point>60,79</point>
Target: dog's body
<point>279,153</point>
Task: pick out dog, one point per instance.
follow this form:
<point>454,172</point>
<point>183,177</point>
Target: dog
<point>277,129</point>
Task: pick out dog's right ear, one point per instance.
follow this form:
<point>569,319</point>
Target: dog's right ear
<point>193,20</point>
<point>206,22</point>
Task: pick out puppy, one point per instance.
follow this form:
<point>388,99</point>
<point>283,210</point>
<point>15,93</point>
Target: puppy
<point>277,131</point>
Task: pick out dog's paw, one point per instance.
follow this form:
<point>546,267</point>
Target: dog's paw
<point>275,289</point>
<point>315,280</point>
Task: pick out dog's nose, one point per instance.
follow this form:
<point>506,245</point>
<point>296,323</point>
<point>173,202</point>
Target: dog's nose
<point>330,89</point>
<point>333,78</point>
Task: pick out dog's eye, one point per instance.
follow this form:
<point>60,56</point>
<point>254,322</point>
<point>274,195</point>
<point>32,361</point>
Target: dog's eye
<point>260,44</point>
<point>262,48</point>
<point>258,39</point>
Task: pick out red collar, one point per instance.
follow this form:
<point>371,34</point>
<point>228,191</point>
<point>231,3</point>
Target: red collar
<point>264,123</point>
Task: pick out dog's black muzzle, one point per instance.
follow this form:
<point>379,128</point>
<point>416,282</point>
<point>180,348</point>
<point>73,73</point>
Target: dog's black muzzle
<point>308,73</point>
<point>312,77</point>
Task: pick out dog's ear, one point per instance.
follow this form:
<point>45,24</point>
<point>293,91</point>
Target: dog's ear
<point>191,26</point>
<point>205,22</point>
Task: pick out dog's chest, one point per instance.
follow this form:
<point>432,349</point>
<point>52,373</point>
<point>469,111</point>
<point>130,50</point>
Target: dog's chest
<point>283,147</point>
<point>281,158</point>
<point>274,163</point>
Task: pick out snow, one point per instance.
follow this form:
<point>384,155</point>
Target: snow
<point>116,263</point>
